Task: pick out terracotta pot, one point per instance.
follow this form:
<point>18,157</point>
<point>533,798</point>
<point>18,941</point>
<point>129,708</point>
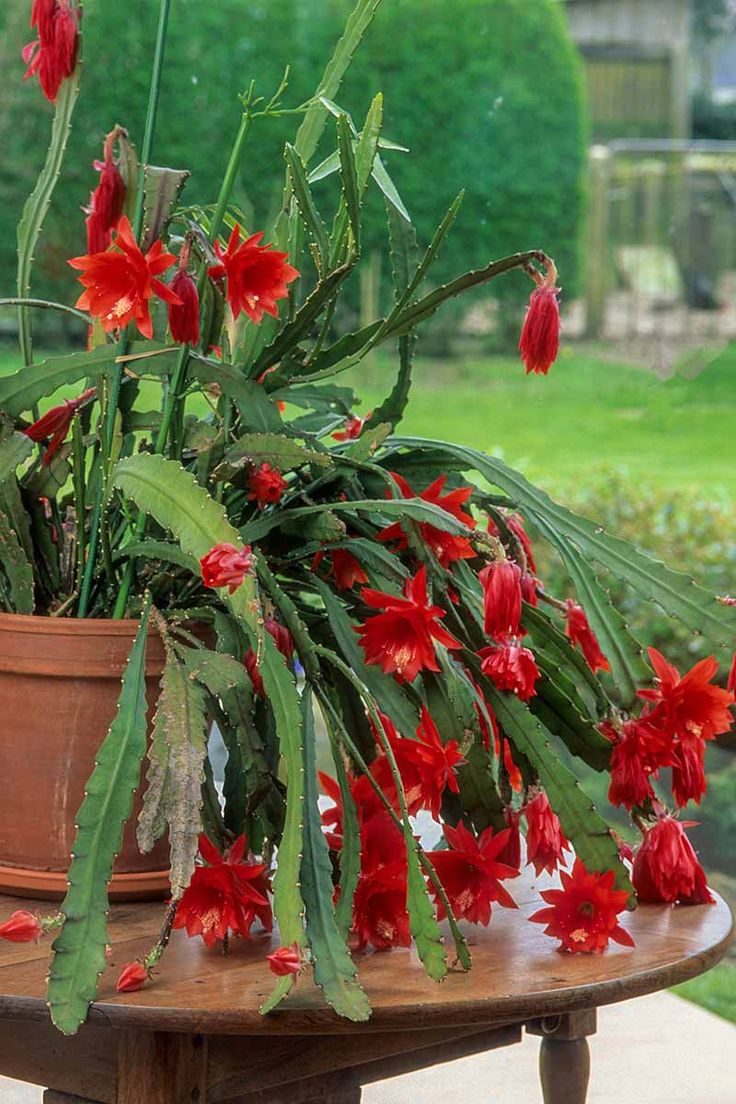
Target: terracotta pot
<point>59,685</point>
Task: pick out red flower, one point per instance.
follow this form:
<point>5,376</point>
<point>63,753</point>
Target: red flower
<point>545,840</point>
<point>579,632</point>
<point>352,428</point>
<point>226,895</point>
<point>689,706</point>
<point>184,316</point>
<point>286,960</point>
<point>666,867</point>
<point>133,975</point>
<point>511,854</point>
<point>22,927</point>
<point>447,547</point>
<point>346,569</point>
<point>55,424</point>
<point>471,873</point>
<point>501,582</point>
<point>511,667</point>
<point>226,565</point>
<point>285,644</point>
<point>582,915</point>
<point>120,282</point>
<point>540,335</point>
<point>107,200</point>
<point>256,274</point>
<point>401,638</point>
<point>54,53</point>
<point>426,766</point>
<point>688,771</point>
<point>634,759</point>
<point>266,485</point>
<point>380,917</point>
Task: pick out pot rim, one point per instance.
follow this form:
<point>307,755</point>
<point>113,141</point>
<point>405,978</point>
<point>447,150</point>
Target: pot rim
<point>44,624</point>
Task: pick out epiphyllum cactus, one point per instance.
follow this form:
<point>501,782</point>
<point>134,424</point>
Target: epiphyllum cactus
<point>387,582</point>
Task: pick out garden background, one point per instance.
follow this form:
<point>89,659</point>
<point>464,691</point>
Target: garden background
<point>634,424</point>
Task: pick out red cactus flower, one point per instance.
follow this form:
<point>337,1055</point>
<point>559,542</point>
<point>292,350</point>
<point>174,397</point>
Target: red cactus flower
<point>106,201</point>
<point>545,840</point>
<point>501,582</point>
<point>471,873</point>
<point>540,335</point>
<point>184,316</point>
<point>380,917</point>
<point>133,975</point>
<point>53,426</point>
<point>226,895</point>
<point>582,915</point>
<point>22,927</point>
<point>579,632</point>
<point>511,667</point>
<point>511,853</point>
<point>634,760</point>
<point>689,782</point>
<point>689,706</point>
<point>257,275</point>
<point>346,569</point>
<point>447,547</point>
<point>226,565</point>
<point>426,766</point>
<point>53,55</point>
<point>266,485</point>
<point>666,867</point>
<point>401,638</point>
<point>285,961</point>
<point>352,428</point>
<point>120,282</point>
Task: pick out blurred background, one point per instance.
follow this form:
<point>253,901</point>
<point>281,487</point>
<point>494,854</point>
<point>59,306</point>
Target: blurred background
<point>603,131</point>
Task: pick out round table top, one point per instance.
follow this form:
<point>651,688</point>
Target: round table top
<point>517,974</point>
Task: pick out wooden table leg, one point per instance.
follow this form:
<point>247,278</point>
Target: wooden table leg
<point>564,1058</point>
<point>159,1068</point>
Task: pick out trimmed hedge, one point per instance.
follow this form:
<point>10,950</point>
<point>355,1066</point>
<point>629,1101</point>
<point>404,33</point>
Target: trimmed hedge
<point>487,93</point>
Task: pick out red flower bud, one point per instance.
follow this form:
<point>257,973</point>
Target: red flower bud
<point>53,55</point>
<point>540,334</point>
<point>579,632</point>
<point>133,975</point>
<point>184,317</point>
<point>22,927</point>
<point>55,424</point>
<point>501,582</point>
<point>666,867</point>
<point>286,960</point>
<point>226,565</point>
<point>107,200</point>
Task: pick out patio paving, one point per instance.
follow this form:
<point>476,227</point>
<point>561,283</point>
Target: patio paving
<point>660,1048</point>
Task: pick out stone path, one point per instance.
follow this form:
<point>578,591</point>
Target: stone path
<point>659,1049</point>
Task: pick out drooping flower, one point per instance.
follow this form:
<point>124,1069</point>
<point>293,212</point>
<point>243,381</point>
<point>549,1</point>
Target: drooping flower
<point>352,428</point>
<point>266,485</point>
<point>380,917</point>
<point>638,752</point>
<point>227,895</point>
<point>689,706</point>
<point>53,55</point>
<point>120,282</point>
<point>22,927</point>
<point>285,961</point>
<point>510,666</point>
<point>106,201</point>
<point>133,976</point>
<point>501,582</point>
<point>401,638</point>
<point>666,867</point>
<point>346,569</point>
<point>689,782</point>
<point>545,840</point>
<point>471,873</point>
<point>184,316</point>
<point>429,766</point>
<point>447,547</point>
<point>53,426</point>
<point>257,275</point>
<point>583,913</point>
<point>540,335</point>
<point>283,641</point>
<point>226,565</point>
<point>579,632</point>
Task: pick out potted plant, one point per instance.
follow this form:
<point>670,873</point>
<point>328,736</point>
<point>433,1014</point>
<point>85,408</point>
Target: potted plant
<point>254,552</point>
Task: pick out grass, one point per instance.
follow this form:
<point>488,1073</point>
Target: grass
<point>589,412</point>
<point>715,991</point>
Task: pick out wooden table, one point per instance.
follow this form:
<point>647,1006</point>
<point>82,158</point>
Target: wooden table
<point>196,1037</point>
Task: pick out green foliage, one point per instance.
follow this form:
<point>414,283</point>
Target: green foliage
<point>79,948</point>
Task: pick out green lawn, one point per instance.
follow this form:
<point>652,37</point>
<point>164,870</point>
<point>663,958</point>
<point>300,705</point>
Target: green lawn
<point>588,413</point>
<point>715,991</point>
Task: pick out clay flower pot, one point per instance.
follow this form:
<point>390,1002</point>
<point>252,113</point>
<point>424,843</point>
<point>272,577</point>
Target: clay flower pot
<point>59,685</point>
